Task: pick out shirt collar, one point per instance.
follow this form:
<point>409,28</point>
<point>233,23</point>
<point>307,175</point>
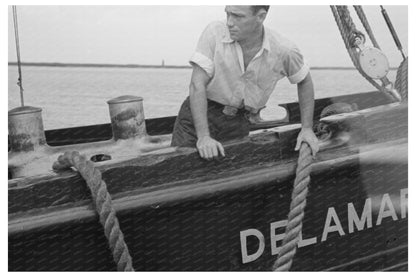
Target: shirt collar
<point>266,42</point>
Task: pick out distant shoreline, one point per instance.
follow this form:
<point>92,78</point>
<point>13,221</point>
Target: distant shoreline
<point>149,66</point>
<point>98,65</point>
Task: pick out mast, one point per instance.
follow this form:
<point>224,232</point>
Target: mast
<point>19,66</point>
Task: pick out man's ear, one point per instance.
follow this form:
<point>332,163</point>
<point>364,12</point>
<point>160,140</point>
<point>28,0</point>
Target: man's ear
<point>261,15</point>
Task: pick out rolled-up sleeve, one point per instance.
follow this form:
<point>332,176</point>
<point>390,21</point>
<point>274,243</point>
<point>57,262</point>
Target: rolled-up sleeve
<point>204,53</point>
<point>295,67</point>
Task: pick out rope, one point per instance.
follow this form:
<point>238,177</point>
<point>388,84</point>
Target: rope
<point>401,79</point>
<point>361,15</point>
<point>349,33</point>
<point>19,66</point>
<point>297,207</point>
<point>103,205</point>
<point>401,74</point>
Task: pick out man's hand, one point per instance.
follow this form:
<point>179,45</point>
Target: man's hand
<point>208,147</point>
<point>307,135</point>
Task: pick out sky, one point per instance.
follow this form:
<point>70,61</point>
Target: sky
<point>150,34</point>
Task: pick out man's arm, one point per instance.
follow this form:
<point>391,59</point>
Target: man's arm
<point>306,104</point>
<point>207,146</point>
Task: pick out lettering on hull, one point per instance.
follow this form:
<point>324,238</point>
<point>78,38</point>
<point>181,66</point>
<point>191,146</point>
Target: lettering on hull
<point>388,207</point>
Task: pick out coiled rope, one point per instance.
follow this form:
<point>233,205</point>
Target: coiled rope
<point>349,34</point>
<point>297,207</point>
<point>102,203</point>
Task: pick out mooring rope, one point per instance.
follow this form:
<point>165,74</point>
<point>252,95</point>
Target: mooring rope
<point>102,203</point>
<point>297,206</point>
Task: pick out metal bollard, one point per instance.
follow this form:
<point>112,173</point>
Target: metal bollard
<point>127,117</point>
<point>26,129</point>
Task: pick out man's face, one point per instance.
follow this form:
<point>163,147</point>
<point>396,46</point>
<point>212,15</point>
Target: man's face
<point>241,22</point>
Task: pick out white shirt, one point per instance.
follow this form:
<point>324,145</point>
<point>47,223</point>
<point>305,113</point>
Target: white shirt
<point>230,84</point>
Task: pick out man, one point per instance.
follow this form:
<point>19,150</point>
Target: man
<point>235,69</point>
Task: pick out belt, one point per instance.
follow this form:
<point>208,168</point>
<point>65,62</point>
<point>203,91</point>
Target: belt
<point>228,110</point>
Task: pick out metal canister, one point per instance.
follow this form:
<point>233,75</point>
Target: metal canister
<point>127,117</point>
<point>26,131</point>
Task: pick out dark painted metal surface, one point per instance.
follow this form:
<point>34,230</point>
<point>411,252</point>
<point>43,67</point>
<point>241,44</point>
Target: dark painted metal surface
<point>179,212</point>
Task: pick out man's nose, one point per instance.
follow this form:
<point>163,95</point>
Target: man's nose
<point>230,22</point>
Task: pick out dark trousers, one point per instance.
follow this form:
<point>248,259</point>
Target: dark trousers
<point>222,127</point>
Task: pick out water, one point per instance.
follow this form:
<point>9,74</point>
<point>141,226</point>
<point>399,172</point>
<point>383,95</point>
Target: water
<point>77,96</point>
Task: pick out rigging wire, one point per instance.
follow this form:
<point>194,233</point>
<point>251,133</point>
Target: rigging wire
<point>349,34</point>
<point>393,32</point>
<point>19,66</point>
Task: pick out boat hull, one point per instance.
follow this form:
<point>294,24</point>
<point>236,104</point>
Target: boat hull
<point>181,213</point>
<point>204,233</point>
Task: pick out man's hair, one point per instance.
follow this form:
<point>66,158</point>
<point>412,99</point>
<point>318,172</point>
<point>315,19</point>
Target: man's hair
<point>255,9</point>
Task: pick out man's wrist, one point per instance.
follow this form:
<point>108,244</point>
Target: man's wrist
<point>307,128</point>
<point>203,136</point>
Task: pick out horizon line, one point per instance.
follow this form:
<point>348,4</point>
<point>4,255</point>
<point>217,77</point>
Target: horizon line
<point>58,64</point>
